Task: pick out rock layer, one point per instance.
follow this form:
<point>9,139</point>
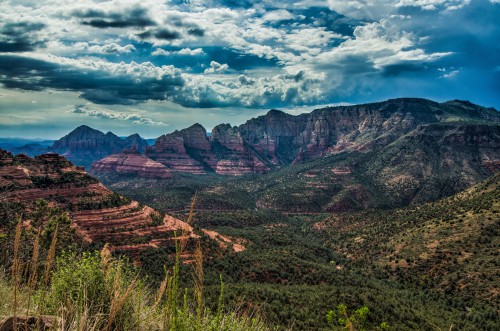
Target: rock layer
<point>131,164</point>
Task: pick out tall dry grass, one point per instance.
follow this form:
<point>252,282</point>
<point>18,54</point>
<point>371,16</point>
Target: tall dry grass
<point>98,292</point>
<point>15,272</point>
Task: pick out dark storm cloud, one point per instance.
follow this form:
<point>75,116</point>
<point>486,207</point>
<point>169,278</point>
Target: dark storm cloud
<point>196,31</point>
<point>191,27</point>
<point>403,68</point>
<point>98,86</point>
<point>134,17</point>
<point>166,34</point>
<point>20,36</point>
<point>162,34</point>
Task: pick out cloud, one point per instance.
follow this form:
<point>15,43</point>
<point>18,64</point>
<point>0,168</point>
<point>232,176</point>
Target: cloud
<point>277,15</point>
<point>166,34</point>
<point>103,82</point>
<point>226,53</point>
<point>184,51</point>
<point>128,17</point>
<point>434,4</point>
<point>362,9</point>
<point>302,87</point>
<point>105,114</point>
<point>375,46</point>
<point>216,67</point>
<point>378,9</point>
<point>111,48</point>
<point>451,74</point>
<point>98,81</point>
<point>21,36</point>
<point>191,52</point>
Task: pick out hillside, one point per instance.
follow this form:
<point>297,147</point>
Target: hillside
<point>422,267</point>
<point>97,214</point>
<point>295,268</point>
<point>450,245</point>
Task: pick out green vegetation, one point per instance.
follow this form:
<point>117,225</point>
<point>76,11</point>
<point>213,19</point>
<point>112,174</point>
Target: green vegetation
<point>357,321</point>
<point>94,291</point>
<point>75,179</point>
<point>296,267</point>
<point>112,200</point>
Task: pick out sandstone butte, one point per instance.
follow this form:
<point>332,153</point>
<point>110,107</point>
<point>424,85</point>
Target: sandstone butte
<point>131,164</point>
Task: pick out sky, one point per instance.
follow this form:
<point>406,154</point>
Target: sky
<point>153,66</point>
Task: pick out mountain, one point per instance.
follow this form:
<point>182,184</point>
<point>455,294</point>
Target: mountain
<point>31,149</point>
<point>98,214</point>
<point>431,162</point>
<point>278,139</point>
<point>85,145</point>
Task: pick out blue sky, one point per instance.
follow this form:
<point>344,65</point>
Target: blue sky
<point>154,66</point>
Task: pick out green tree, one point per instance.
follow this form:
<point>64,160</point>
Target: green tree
<point>357,321</point>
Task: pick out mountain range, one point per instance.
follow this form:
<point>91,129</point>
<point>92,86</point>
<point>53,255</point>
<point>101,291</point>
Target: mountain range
<point>386,154</point>
<point>274,140</point>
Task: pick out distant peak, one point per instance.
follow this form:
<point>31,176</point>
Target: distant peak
<point>84,129</point>
<point>196,126</point>
<point>278,114</point>
<point>274,112</point>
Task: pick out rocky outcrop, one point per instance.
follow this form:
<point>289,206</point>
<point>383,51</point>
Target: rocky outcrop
<point>131,164</point>
<point>172,149</point>
<point>40,323</point>
<point>84,145</point>
<point>191,151</point>
<point>228,136</point>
